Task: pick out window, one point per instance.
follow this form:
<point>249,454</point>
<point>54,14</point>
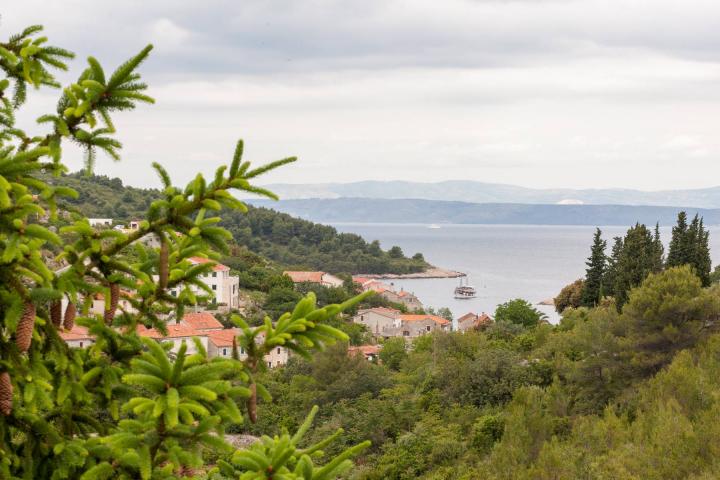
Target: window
<point>81,344</point>
<point>214,274</point>
<point>362,318</point>
<point>224,352</point>
<point>406,333</point>
<point>427,328</point>
<point>278,350</point>
<point>173,293</point>
<point>270,364</point>
<point>214,287</point>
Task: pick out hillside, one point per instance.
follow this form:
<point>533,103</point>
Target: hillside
<point>366,210</point>
<point>481,192</point>
<point>290,242</point>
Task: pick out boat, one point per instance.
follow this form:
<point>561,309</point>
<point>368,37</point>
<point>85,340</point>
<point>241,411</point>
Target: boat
<point>464,292</point>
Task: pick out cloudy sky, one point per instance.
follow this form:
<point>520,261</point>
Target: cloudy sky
<point>545,93</point>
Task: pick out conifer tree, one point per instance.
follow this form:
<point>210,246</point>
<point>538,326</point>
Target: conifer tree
<point>637,259</point>
<point>690,246</point>
<point>678,252</point>
<point>612,265</point>
<point>596,266</point>
<point>122,408</point>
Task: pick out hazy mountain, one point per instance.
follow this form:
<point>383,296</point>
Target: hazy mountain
<point>478,192</point>
<point>366,210</point>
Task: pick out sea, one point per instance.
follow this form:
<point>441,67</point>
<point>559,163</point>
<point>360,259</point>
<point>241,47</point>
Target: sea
<point>502,262</point>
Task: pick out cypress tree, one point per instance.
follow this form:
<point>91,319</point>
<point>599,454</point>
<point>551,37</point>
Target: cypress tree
<point>678,251</point>
<point>636,261</point>
<point>690,246</point>
<point>612,264</point>
<point>596,266</point>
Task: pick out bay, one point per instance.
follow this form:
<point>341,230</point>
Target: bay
<point>503,262</point>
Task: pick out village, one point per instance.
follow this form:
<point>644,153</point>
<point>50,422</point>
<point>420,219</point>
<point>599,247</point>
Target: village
<point>381,323</point>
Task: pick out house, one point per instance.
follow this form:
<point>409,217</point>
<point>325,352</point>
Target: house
<point>225,287</point>
<point>472,321</point>
<point>220,343</point>
<point>100,222</point>
<point>177,333</point>
<point>77,337</point>
<point>320,278</point>
<point>389,293</point>
<point>370,352</point>
<point>411,326</point>
<point>97,306</point>
<point>377,319</point>
<point>202,322</point>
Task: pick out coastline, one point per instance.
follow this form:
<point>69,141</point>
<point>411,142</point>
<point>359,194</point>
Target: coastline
<point>433,272</point>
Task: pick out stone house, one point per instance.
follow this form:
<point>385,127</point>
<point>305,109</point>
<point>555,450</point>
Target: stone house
<point>377,319</point>
<point>473,321</point>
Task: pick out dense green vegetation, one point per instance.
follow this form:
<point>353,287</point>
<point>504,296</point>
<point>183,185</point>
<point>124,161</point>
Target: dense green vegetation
<point>633,257</point>
<point>603,395</point>
<point>291,243</point>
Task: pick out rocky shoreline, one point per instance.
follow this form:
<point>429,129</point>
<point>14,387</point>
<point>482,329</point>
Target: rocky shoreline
<point>429,273</point>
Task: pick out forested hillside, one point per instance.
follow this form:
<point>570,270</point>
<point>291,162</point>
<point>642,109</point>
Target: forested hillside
<point>290,242</point>
<point>605,395</point>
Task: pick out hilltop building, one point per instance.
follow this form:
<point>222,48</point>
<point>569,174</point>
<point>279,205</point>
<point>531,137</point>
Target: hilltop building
<point>225,287</point>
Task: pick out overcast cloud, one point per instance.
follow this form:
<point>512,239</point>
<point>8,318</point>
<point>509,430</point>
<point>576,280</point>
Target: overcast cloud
<point>543,93</point>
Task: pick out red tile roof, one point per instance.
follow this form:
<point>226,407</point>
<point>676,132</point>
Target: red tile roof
<point>218,267</point>
<point>223,338</point>
<point>388,312</point>
<point>300,277</point>
<point>174,330</point>
<point>419,318</point>
<point>202,321</point>
<point>365,350</point>
<point>77,333</point>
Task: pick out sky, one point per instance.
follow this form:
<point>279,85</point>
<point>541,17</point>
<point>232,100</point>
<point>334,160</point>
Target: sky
<point>538,93</point>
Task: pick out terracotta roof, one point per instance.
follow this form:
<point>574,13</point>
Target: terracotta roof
<point>77,333</point>
<point>362,280</point>
<point>218,267</point>
<point>174,330</point>
<point>388,312</point>
<point>202,321</point>
<point>300,277</point>
<point>223,338</point>
<point>419,318</point>
<point>468,316</point>
<point>365,349</point>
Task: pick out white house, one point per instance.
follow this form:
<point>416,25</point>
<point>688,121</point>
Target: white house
<point>321,278</point>
<point>78,337</point>
<point>225,287</point>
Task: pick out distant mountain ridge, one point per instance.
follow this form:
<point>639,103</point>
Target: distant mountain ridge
<point>371,210</point>
<point>480,192</point>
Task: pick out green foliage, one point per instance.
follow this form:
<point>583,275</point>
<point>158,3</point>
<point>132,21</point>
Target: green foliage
<point>125,407</point>
<point>596,264</point>
<point>570,296</point>
<point>519,312</point>
<point>689,246</point>
<point>394,351</point>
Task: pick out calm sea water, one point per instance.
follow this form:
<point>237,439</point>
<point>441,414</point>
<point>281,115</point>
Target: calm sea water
<point>502,261</point>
